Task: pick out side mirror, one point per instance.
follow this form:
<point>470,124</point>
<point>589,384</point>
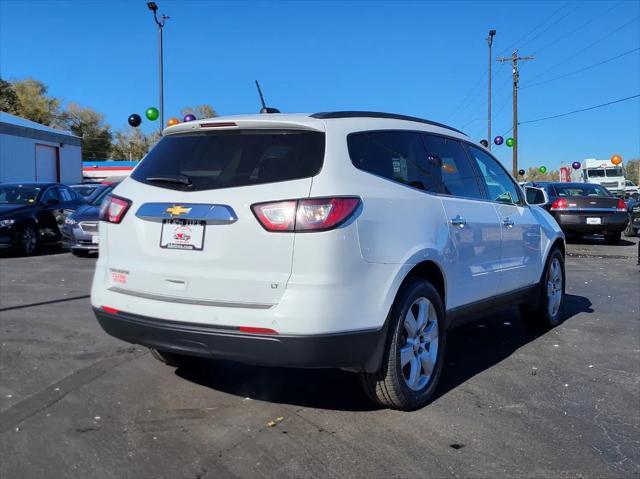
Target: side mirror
<point>536,196</point>
<point>51,201</point>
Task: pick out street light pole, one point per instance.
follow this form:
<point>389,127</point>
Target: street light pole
<point>492,34</point>
<point>160,22</point>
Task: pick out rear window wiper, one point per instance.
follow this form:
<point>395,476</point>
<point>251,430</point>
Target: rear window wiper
<point>180,179</point>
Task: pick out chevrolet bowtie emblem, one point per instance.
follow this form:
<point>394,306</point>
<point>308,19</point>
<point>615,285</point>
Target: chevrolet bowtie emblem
<point>177,210</point>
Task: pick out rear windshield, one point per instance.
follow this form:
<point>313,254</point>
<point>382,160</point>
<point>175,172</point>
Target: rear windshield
<point>207,161</point>
<point>582,190</point>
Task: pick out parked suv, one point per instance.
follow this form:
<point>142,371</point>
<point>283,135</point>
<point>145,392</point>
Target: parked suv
<point>346,240</point>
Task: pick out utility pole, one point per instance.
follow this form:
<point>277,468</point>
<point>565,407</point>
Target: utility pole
<point>516,77</point>
<point>492,33</point>
<point>163,19</point>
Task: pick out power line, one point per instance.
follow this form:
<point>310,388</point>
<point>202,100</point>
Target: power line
<point>464,104</point>
<point>556,22</point>
<point>568,34</point>
<point>573,55</point>
<point>518,42</point>
<point>582,69</point>
<point>580,110</point>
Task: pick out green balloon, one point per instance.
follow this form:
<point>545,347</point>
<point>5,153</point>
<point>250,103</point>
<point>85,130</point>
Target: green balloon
<point>152,113</point>
<point>542,169</point>
<point>510,142</point>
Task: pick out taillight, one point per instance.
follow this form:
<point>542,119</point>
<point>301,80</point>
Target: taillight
<point>559,204</point>
<point>113,208</point>
<point>316,214</point>
<point>621,206</point>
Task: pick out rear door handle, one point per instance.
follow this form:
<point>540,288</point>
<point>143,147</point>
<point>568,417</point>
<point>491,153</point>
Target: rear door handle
<point>458,221</point>
<point>508,222</point>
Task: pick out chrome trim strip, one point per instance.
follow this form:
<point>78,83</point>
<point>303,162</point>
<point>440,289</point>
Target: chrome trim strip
<point>589,210</point>
<point>198,302</point>
<point>212,214</point>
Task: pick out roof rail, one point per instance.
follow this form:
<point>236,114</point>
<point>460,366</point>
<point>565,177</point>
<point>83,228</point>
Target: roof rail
<point>376,114</point>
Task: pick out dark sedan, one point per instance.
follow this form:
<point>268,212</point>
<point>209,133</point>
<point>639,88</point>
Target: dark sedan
<point>633,208</point>
<point>586,208</point>
<point>80,231</point>
<point>32,214</point>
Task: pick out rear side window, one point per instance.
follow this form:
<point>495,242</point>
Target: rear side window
<point>456,175</point>
<point>582,190</point>
<point>395,155</point>
<point>213,160</point>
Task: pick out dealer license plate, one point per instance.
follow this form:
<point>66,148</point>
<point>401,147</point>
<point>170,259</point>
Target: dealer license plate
<point>182,234</point>
<point>594,221</point>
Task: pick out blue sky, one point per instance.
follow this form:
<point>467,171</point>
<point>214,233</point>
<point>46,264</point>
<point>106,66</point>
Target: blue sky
<point>427,59</point>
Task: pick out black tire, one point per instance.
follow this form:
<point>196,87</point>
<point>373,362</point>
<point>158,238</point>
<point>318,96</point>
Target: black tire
<point>26,240</point>
<point>79,253</point>
<point>613,238</point>
<point>174,360</point>
<point>538,314</point>
<point>388,386</point>
<point>630,231</point>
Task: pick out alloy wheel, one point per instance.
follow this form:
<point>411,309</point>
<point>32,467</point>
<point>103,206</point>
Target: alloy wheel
<point>554,288</point>
<point>419,350</point>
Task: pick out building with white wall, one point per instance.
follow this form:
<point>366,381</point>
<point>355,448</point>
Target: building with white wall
<point>30,151</point>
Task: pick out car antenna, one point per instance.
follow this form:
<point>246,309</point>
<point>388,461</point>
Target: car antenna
<point>265,108</point>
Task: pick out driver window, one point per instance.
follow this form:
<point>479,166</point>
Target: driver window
<point>500,187</point>
<point>50,194</point>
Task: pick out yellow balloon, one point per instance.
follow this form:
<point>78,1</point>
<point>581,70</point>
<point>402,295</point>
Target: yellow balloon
<point>616,159</point>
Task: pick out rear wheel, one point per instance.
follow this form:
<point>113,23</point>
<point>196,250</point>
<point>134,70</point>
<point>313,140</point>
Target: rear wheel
<point>174,360</point>
<point>548,311</point>
<point>630,231</point>
<point>612,238</point>
<point>27,240</point>
<point>414,354</point>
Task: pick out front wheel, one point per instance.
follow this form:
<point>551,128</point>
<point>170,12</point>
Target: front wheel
<point>27,240</point>
<point>612,238</point>
<point>548,311</point>
<point>412,362</point>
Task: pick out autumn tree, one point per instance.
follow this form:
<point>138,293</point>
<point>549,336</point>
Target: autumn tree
<point>89,125</point>
<point>9,101</point>
<point>35,104</point>
<point>132,144</point>
<point>200,112</point>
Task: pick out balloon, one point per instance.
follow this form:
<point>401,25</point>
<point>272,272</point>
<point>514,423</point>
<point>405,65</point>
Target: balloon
<point>498,140</point>
<point>576,165</point>
<point>189,117</point>
<point>134,120</point>
<point>172,121</point>
<point>510,142</point>
<point>152,113</point>
<point>542,169</point>
<point>521,172</point>
<point>616,159</point>
<point>484,143</point>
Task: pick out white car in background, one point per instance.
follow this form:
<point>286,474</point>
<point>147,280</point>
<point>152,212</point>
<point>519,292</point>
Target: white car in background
<point>630,188</point>
<point>346,240</point>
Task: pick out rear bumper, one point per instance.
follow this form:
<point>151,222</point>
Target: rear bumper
<point>576,222</point>
<point>361,350</point>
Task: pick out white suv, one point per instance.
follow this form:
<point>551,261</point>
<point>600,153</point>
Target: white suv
<point>346,240</point>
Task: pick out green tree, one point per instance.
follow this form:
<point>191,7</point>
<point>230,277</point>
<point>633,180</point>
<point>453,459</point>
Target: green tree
<point>9,101</point>
<point>89,125</point>
<point>34,104</point>
<point>201,111</point>
<point>132,144</point>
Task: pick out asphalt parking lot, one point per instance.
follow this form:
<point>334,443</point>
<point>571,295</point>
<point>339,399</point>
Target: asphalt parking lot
<point>75,402</point>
